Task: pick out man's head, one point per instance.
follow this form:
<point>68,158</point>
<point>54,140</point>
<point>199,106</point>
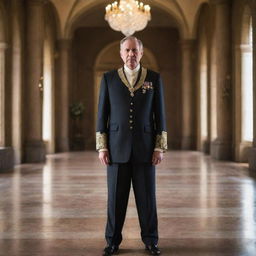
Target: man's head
<point>131,51</point>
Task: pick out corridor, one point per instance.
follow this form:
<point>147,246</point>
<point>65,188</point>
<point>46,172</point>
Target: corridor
<point>205,208</point>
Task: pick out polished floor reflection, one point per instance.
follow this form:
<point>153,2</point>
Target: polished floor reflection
<point>205,208</point>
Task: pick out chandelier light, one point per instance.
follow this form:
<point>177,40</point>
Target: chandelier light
<point>128,16</point>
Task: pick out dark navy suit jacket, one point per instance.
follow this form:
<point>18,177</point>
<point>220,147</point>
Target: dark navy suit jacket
<point>131,122</point>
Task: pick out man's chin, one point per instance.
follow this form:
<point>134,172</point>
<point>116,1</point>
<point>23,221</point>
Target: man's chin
<point>131,65</point>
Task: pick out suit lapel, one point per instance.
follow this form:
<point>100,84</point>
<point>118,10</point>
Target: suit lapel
<point>140,82</point>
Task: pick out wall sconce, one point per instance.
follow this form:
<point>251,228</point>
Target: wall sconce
<point>41,84</point>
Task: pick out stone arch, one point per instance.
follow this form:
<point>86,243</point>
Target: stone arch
<point>178,17</point>
<point>53,18</point>
<point>203,12</point>
<point>108,59</point>
<point>170,69</point>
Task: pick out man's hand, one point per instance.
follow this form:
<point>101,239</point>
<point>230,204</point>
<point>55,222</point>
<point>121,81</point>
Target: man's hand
<point>104,157</point>
<point>157,157</point>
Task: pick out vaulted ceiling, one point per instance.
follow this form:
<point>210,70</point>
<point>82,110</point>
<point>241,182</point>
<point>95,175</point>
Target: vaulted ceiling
<point>182,14</point>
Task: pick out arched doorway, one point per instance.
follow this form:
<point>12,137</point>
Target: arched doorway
<point>90,34</point>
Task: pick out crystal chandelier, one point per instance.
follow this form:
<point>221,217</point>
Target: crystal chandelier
<point>128,16</point>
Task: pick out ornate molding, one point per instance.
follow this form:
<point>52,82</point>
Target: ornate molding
<point>161,141</point>
<point>101,141</point>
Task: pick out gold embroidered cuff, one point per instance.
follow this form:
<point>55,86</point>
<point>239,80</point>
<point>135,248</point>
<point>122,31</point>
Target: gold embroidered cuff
<point>101,140</point>
<point>161,141</point>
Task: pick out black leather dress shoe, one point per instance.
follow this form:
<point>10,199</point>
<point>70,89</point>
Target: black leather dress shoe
<point>110,250</point>
<point>153,249</point>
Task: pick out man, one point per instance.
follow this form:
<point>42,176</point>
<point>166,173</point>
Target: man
<point>131,138</point>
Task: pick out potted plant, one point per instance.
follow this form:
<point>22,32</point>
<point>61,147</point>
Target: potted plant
<point>76,113</point>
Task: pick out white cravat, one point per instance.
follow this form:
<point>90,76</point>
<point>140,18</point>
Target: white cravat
<point>132,74</point>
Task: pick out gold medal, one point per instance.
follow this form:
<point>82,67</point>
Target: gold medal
<point>131,92</point>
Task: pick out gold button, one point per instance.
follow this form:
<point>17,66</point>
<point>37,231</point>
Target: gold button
<point>131,110</point>
<point>130,121</point>
<point>131,103</point>
<point>131,127</point>
<point>130,116</point>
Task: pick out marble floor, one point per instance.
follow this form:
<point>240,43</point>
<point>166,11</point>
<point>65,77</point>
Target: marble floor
<point>205,208</point>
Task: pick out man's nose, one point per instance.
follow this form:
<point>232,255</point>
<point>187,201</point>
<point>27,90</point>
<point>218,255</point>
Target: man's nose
<point>131,53</point>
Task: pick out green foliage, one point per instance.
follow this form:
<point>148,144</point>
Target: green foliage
<point>77,110</point>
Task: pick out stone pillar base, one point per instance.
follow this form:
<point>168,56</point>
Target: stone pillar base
<point>252,159</point>
<point>62,144</point>
<point>175,143</point>
<point>206,147</point>
<point>221,150</point>
<point>35,152</point>
<point>188,143</point>
<point>6,158</point>
<point>242,151</point>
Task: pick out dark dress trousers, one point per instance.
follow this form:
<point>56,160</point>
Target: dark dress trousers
<point>131,124</point>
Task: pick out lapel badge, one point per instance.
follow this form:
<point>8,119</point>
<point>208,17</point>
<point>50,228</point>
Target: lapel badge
<point>147,86</point>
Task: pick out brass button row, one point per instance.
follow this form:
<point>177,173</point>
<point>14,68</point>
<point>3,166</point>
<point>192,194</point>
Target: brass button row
<point>131,116</point>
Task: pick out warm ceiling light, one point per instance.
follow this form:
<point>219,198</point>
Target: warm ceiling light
<point>128,16</point>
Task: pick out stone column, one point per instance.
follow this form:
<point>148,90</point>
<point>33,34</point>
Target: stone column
<point>221,147</point>
<point>34,146</point>
<point>3,47</point>
<point>62,100</point>
<point>6,153</point>
<point>252,152</point>
<point>16,80</point>
<point>188,140</point>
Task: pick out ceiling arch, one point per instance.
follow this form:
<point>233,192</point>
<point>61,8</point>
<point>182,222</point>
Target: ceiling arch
<point>182,11</point>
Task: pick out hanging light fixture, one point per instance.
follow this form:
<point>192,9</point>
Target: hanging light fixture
<point>128,16</point>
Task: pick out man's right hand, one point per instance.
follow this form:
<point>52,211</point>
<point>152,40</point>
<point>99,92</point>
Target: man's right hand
<point>104,157</point>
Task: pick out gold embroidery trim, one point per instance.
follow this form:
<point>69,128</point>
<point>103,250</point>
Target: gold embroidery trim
<point>101,140</point>
<point>138,85</point>
<point>161,141</point>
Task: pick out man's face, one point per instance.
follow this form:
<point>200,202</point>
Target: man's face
<point>131,53</point>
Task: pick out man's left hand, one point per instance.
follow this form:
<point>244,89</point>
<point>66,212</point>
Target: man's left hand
<point>157,157</point>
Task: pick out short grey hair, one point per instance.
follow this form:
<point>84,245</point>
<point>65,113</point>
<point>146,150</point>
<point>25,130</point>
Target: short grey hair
<point>132,38</point>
